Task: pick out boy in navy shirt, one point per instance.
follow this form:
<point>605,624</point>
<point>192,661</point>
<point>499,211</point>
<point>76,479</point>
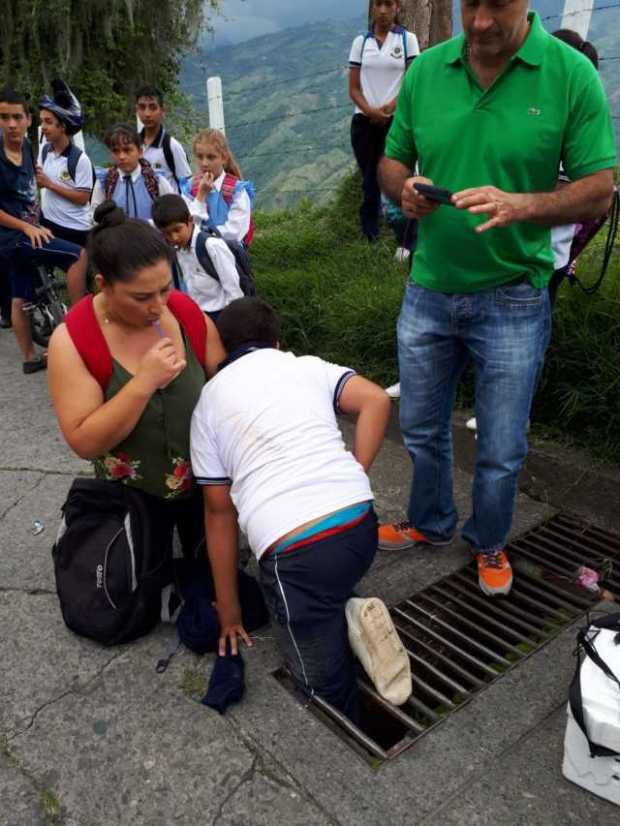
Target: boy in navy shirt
<point>24,245</point>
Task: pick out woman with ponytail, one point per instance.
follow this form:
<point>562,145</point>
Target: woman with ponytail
<point>126,370</point>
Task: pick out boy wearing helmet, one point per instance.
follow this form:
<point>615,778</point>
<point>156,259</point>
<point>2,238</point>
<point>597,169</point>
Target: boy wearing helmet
<point>65,174</point>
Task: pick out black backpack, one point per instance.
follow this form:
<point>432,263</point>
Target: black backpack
<point>73,158</point>
<point>242,259</point>
<point>110,568</point>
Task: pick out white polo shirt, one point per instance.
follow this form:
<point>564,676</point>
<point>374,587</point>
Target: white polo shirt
<point>154,154</point>
<point>383,67</point>
<point>209,294</point>
<point>266,425</point>
<point>60,210</point>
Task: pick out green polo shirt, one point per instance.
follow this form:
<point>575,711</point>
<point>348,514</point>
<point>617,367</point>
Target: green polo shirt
<point>547,107</point>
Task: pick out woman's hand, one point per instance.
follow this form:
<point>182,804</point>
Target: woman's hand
<point>159,366</point>
<point>207,183</point>
<point>231,627</point>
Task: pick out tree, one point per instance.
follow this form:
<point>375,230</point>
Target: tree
<point>103,48</point>
<point>431,20</point>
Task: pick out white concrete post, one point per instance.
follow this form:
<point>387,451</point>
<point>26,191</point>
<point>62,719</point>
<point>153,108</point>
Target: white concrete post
<point>577,15</point>
<point>216,104</point>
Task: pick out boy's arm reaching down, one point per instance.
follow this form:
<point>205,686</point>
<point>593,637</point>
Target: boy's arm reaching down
<point>222,543</point>
<point>371,405</point>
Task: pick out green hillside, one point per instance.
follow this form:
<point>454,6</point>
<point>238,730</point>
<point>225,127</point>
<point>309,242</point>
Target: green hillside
<point>287,107</point>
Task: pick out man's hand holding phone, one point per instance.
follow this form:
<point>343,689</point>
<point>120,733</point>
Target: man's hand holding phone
<point>415,204</point>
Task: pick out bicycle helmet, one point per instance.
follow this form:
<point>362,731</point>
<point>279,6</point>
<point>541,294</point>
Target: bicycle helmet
<point>65,106</point>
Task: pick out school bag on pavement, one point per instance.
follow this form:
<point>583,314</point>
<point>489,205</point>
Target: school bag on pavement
<point>110,566</point>
<point>242,259</point>
<point>592,739</point>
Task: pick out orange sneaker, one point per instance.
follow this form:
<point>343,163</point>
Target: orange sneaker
<point>494,573</point>
<point>400,536</point>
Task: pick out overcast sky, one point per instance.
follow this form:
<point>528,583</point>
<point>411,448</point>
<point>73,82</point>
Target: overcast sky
<point>243,19</point>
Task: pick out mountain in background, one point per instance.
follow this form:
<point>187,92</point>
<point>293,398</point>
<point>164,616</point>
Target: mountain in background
<point>287,108</point>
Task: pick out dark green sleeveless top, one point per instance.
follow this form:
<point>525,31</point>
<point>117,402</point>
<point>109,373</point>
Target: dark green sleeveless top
<point>155,456</point>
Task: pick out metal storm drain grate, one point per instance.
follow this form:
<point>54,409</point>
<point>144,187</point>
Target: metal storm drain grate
<point>460,641</point>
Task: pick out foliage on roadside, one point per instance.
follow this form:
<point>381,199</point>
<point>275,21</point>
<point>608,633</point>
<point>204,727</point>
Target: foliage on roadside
<point>104,50</point>
<point>339,298</point>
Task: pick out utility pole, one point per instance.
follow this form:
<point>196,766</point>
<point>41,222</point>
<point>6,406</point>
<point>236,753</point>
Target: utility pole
<point>577,15</point>
<point>215,99</point>
<point>430,20</point>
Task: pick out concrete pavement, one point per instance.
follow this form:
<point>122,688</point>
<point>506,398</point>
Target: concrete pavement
<point>94,737</point>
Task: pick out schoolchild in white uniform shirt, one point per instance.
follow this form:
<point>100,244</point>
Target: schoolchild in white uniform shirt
<point>65,176</point>
<point>377,66</point>
<point>219,196</point>
<point>267,449</point>
<point>159,148</point>
<point>172,217</point>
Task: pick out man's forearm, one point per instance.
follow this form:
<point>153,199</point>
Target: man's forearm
<point>580,200</point>
<point>392,176</point>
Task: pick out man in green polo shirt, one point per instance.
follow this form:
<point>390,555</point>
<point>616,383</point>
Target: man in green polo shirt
<point>489,115</point>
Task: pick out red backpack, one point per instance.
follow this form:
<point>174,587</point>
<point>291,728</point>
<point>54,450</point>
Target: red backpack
<point>227,192</point>
<point>90,343</point>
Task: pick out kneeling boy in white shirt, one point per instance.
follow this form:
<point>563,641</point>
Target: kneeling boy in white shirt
<point>267,448</point>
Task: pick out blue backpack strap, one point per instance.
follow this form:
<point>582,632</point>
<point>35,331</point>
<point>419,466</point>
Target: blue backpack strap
<point>405,45</point>
<point>73,158</point>
<point>203,256</point>
<point>45,152</point>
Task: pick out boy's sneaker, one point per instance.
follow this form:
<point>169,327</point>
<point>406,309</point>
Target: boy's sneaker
<point>376,644</point>
<point>402,535</point>
<point>393,390</point>
<point>494,573</point>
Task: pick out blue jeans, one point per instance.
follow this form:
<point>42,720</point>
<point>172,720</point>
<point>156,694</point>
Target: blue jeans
<point>306,591</point>
<point>505,332</point>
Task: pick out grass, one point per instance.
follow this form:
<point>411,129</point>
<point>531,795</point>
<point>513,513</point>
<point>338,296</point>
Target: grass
<point>339,298</point>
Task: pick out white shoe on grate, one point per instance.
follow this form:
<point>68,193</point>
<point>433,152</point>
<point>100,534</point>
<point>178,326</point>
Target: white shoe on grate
<point>393,391</point>
<point>376,644</point>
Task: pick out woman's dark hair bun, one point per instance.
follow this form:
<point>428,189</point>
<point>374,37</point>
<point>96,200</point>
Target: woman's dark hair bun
<point>108,214</point>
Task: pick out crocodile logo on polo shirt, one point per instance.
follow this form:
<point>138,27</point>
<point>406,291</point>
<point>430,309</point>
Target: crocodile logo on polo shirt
<point>533,111</point>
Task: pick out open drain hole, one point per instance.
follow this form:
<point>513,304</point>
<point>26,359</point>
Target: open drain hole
<point>459,641</point>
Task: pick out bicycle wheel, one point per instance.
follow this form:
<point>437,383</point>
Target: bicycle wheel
<point>41,325</point>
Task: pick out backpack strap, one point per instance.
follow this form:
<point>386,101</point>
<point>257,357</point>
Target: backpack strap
<point>229,185</point>
<point>45,152</point>
<point>191,318</point>
<point>110,181</point>
<point>166,146</point>
<point>89,341</point>
<point>150,179</point>
<point>202,253</point>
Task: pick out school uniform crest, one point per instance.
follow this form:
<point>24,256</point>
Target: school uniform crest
<point>65,177</point>
<point>397,52</point>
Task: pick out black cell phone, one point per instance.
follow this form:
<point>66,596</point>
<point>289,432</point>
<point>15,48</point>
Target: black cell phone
<point>435,193</point>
